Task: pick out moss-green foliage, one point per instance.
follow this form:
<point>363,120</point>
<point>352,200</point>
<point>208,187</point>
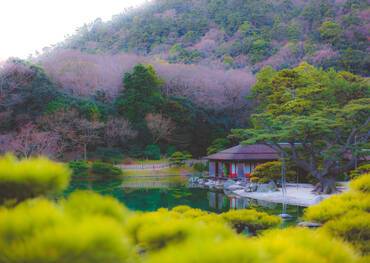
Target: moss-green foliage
<point>105,170</point>
<point>79,168</point>
<point>271,171</point>
<point>290,245</point>
<point>362,169</point>
<point>250,219</point>
<point>40,231</point>
<point>22,179</point>
<point>346,215</point>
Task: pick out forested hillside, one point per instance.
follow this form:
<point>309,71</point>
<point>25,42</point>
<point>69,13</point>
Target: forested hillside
<point>170,75</point>
<point>239,33</point>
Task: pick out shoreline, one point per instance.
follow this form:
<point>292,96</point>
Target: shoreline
<point>301,195</point>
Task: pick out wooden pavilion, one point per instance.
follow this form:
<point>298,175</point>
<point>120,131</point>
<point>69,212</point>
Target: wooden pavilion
<point>239,161</point>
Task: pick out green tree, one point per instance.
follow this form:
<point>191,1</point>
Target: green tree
<point>330,31</point>
<point>271,171</point>
<point>321,116</point>
<point>178,158</point>
<point>152,152</point>
<point>218,145</point>
<point>141,94</point>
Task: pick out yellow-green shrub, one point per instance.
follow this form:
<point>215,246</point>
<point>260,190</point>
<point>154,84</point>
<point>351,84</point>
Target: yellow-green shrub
<point>361,183</point>
<point>290,245</point>
<point>251,219</point>
<point>362,169</point>
<point>22,179</point>
<point>353,228</point>
<point>337,206</point>
<point>346,216</point>
<point>156,230</point>
<point>40,231</point>
<point>87,203</point>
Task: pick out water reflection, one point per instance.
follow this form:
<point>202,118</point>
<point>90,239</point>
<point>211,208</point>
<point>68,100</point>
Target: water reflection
<point>147,194</point>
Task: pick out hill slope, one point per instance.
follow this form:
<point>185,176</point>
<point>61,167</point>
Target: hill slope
<point>238,33</point>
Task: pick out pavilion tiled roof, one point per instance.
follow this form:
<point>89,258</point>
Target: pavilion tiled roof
<point>246,152</point>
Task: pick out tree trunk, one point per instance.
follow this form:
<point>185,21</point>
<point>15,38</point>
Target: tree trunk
<point>326,185</point>
<point>85,152</point>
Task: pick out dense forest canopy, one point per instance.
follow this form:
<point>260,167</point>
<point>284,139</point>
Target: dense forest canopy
<point>238,34</point>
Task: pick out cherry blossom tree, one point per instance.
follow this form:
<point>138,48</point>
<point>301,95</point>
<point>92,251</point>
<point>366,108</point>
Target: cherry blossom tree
<point>29,141</point>
<point>159,126</point>
<point>118,131</point>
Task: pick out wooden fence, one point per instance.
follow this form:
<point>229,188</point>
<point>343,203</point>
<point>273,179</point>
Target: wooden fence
<point>155,166</point>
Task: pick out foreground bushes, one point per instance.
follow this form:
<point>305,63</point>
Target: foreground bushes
<point>41,231</point>
<point>87,227</point>
<point>363,169</point>
<point>346,216</point>
<point>250,219</point>
<point>22,179</point>
<point>290,245</point>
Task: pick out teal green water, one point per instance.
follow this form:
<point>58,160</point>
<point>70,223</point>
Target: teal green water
<point>150,193</point>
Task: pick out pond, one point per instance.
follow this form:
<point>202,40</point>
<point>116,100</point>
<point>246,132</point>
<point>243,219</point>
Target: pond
<point>148,193</point>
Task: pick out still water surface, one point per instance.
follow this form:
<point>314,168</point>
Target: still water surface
<point>148,193</point>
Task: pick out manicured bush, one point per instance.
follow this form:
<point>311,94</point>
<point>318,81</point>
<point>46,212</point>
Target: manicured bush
<point>79,168</point>
<point>290,245</point>
<point>361,183</point>
<point>178,158</point>
<point>354,228</point>
<point>250,219</point>
<point>346,216</point>
<point>105,170</point>
<point>27,178</point>
<point>271,171</point>
<point>39,231</point>
<point>157,230</point>
<point>152,152</point>
<point>362,169</point>
<point>107,155</point>
<point>87,203</point>
<point>337,206</point>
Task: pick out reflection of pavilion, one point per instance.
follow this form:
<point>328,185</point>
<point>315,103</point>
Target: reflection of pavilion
<point>220,201</point>
<point>239,203</point>
<point>217,200</point>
